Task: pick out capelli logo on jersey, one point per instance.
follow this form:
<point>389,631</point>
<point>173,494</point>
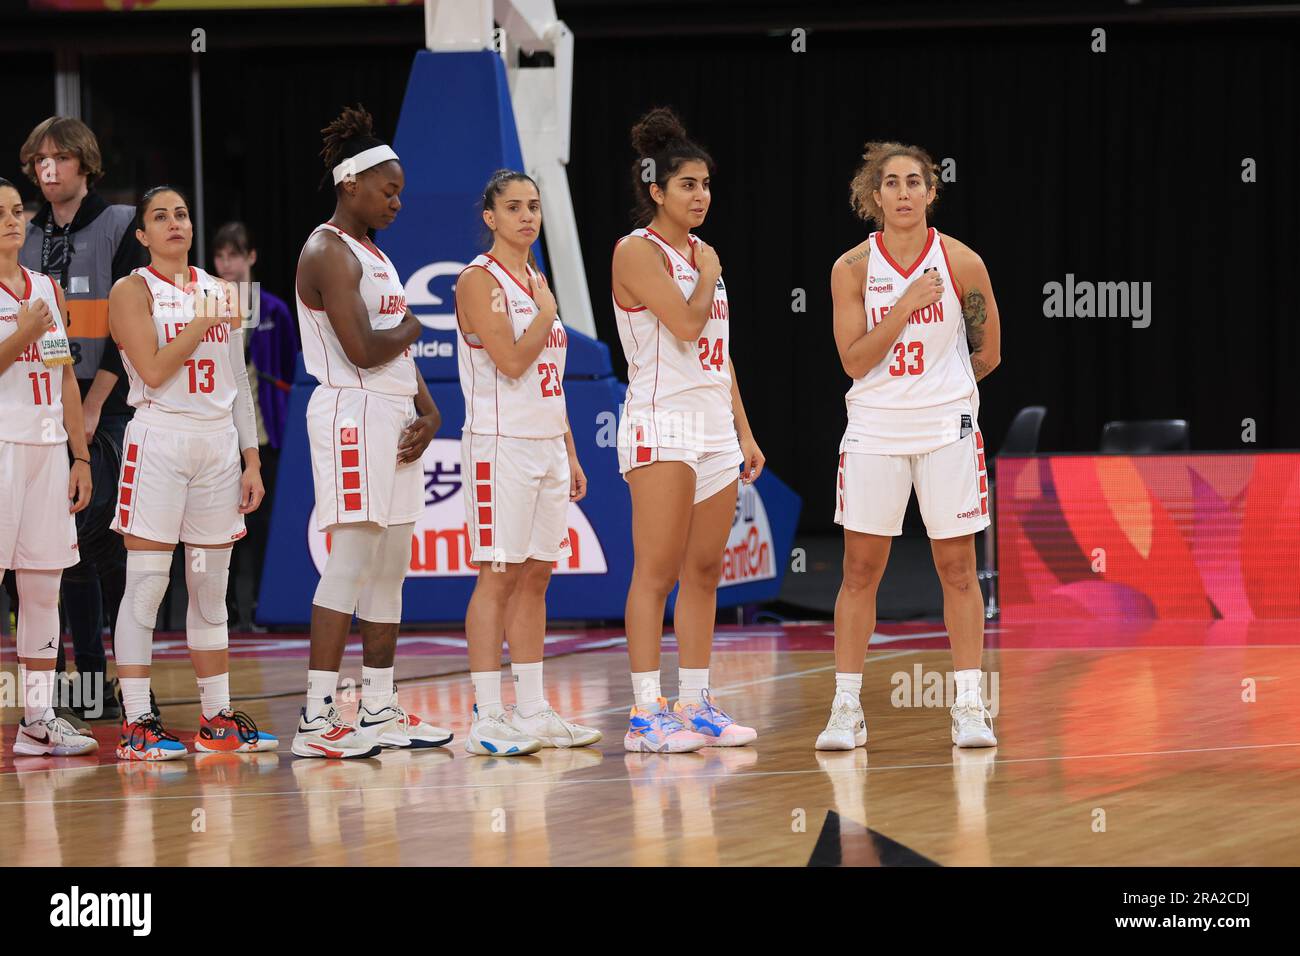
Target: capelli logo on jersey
<point>381,275</point>
<point>883,287</point>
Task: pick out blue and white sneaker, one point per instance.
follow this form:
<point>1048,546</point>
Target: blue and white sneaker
<point>706,718</point>
<point>493,735</point>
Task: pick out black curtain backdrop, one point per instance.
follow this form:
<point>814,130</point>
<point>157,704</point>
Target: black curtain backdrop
<point>1123,166</point>
<point>1116,166</point>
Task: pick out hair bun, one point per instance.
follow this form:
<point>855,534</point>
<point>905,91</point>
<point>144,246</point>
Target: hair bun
<point>656,130</point>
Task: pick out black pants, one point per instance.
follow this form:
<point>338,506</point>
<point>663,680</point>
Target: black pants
<point>92,588</point>
<point>249,554</point>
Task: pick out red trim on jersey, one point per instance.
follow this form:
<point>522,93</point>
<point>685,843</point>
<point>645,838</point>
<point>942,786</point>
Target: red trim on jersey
<point>952,275</point>
<point>456,299</point>
<point>194,276</point>
<point>654,393</point>
<point>509,273</point>
<point>334,449</point>
<point>365,241</point>
<point>27,292</point>
<point>905,273</point>
<point>691,261</point>
<point>618,304</point>
<point>315,324</point>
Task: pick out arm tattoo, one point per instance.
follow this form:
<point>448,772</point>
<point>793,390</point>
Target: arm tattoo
<point>849,260</point>
<point>974,311</point>
<point>979,367</point>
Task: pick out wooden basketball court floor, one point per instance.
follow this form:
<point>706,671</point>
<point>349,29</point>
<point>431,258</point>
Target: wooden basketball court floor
<point>1152,744</point>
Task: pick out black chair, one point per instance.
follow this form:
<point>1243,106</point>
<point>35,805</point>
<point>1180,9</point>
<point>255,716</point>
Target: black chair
<point>1145,437</point>
<point>1021,439</point>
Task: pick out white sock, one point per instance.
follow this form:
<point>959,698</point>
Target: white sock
<point>376,687</point>
<point>968,685</point>
<point>690,681</point>
<point>487,692</point>
<point>645,689</point>
<point>38,694</point>
<point>320,685</point>
<point>214,694</point>
<point>529,699</point>
<point>135,697</point>
<point>850,684</point>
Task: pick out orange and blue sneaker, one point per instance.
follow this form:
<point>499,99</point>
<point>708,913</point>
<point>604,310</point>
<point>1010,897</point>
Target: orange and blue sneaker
<point>709,720</point>
<point>146,739</point>
<point>660,732</point>
<point>232,731</point>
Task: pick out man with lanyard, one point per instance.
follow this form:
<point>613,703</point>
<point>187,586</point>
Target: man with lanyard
<point>85,245</point>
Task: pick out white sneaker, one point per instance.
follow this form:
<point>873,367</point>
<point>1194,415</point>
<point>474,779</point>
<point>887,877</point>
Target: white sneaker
<point>552,730</point>
<point>416,732</point>
<point>972,725</point>
<point>493,735</point>
<point>847,728</point>
<point>54,738</point>
<point>383,726</point>
<point>329,736</point>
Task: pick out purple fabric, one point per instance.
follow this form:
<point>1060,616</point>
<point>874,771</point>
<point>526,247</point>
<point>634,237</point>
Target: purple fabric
<point>274,347</point>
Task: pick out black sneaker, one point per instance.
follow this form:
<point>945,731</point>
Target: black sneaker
<point>106,708</point>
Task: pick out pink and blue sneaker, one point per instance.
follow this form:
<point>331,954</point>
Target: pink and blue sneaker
<point>660,732</point>
<point>710,721</point>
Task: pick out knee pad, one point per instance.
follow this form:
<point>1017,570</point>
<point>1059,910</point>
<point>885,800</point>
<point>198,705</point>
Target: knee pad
<point>147,575</point>
<point>380,601</point>
<point>349,567</point>
<point>207,577</point>
<point>38,614</point>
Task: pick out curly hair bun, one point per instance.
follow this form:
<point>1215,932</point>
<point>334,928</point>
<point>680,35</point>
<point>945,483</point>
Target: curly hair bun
<point>656,130</point>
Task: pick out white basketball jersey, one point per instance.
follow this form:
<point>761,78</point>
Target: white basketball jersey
<point>31,393</point>
<point>203,388</point>
<point>530,406</point>
<point>385,300</point>
<point>913,401</point>
<point>678,393</point>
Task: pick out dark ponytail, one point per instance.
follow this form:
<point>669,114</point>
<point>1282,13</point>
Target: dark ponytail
<point>661,146</point>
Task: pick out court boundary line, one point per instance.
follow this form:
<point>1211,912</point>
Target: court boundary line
<point>734,775</point>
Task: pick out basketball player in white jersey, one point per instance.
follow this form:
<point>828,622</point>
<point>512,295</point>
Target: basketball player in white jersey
<point>181,337</point>
<point>682,436</point>
<point>520,470</point>
<point>916,326</point>
<point>368,423</point>
<point>40,421</point>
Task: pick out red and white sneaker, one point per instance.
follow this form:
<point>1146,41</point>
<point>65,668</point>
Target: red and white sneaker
<point>330,736</point>
<point>419,731</point>
<point>54,738</point>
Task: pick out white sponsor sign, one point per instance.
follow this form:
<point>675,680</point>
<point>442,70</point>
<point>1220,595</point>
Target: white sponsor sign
<point>750,554</point>
<point>431,309</point>
<point>440,544</point>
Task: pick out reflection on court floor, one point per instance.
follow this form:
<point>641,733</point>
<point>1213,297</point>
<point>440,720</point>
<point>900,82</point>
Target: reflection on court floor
<point>1125,753</point>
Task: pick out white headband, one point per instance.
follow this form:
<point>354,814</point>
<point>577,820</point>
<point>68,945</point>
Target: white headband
<point>362,161</point>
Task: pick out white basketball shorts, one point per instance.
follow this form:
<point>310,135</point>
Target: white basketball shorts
<point>37,532</point>
<point>353,434</point>
<point>516,497</point>
<point>871,491</point>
